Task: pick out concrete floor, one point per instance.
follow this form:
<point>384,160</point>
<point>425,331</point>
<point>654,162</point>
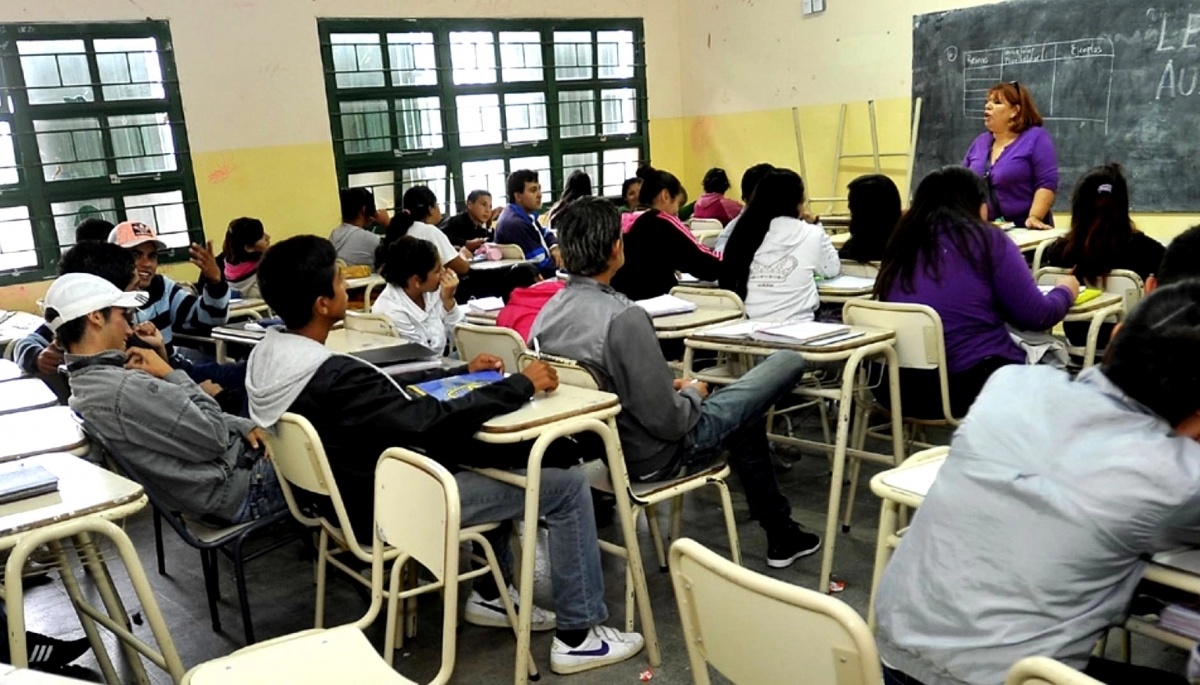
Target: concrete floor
<point>282,593</point>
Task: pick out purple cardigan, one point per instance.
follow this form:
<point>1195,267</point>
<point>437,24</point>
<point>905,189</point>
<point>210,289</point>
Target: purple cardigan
<point>1028,164</point>
<point>976,306</point>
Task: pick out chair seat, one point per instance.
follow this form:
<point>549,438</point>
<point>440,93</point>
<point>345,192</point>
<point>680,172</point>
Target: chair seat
<point>337,655</point>
<point>599,478</point>
<point>209,534</point>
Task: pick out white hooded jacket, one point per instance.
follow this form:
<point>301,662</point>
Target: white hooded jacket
<point>781,286</point>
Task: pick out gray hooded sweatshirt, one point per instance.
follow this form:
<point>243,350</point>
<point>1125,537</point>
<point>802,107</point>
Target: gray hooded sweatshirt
<point>174,434</point>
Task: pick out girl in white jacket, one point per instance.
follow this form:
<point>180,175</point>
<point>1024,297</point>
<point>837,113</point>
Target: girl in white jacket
<point>774,254</point>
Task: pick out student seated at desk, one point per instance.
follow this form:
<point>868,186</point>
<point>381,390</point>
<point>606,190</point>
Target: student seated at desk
<point>772,259</point>
<point>750,179</point>
<point>419,218</point>
<point>524,305</point>
<point>472,227</point>
<point>666,425</point>
<point>359,411</point>
<point>245,243</point>
<point>629,191</point>
<point>1055,492</point>
<point>658,244</point>
<point>518,223</point>
<point>874,203</point>
<point>419,297</point>
<point>578,185</point>
<point>207,462</point>
<point>354,238</point>
<point>713,204</point>
<point>946,256</point>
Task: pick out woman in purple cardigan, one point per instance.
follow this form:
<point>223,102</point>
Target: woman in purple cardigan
<point>944,255</point>
<point>1016,159</point>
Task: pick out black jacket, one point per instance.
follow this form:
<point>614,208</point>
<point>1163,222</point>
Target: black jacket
<point>461,227</point>
<point>655,249</point>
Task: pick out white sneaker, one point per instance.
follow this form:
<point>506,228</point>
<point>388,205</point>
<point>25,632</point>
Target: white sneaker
<point>491,613</point>
<point>603,646</point>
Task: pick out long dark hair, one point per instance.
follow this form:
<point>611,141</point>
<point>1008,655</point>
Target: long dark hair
<point>241,234</point>
<point>947,202</point>
<point>779,194</point>
<point>418,203</point>
<point>1100,223</point>
<point>654,181</point>
<point>874,211</point>
<point>407,257</point>
<point>579,184</point>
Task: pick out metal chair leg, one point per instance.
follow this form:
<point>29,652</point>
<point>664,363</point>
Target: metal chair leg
<point>239,573</point>
<point>158,543</point>
<point>211,587</point>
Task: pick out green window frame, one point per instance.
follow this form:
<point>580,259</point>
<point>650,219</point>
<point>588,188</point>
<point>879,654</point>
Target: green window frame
<point>458,104</point>
<point>91,124</point>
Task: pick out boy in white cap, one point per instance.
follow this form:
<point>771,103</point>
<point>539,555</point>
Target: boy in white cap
<point>206,462</point>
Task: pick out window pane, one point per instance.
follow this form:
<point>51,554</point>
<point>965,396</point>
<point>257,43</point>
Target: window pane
<point>414,62</point>
<point>133,63</point>
<point>525,117</point>
<point>487,175</point>
<point>163,211</point>
<point>365,127</point>
<point>67,148</point>
<point>587,162</point>
<point>521,55</point>
<point>16,239</point>
<point>55,71</point>
<point>357,60</point>
<point>433,176</point>
<point>474,56</point>
<point>577,113</point>
<point>67,216</point>
<point>572,55</point>
<point>618,166</point>
<point>542,166</point>
<point>419,121</point>
<point>381,184</point>
<point>8,156</point>
<point>615,53</point>
<point>618,111</point>
<point>142,143</point>
<point>478,119</point>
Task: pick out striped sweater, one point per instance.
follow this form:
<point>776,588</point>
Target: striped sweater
<point>171,307</point>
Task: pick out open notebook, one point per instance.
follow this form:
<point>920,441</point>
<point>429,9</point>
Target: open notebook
<point>848,283</point>
<point>665,305</point>
<point>486,304</point>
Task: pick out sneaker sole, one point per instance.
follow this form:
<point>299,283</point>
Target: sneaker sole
<point>589,664</point>
<point>784,563</point>
<point>489,621</point>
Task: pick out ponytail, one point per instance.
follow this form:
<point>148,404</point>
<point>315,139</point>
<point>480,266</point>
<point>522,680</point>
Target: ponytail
<point>418,203</point>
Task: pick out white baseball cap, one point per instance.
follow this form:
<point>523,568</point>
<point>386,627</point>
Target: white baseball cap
<point>130,234</point>
<point>76,295</point>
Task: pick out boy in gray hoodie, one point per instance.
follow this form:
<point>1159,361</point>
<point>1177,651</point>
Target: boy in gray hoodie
<point>205,462</point>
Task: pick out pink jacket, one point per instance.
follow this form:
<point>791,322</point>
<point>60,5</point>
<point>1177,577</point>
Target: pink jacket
<point>716,206</point>
<point>524,305</point>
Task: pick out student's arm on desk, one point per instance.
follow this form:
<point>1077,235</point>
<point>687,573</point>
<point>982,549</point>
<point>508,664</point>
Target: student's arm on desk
<point>689,256</point>
<point>829,264</point>
<point>1021,302</point>
<point>28,348</point>
<point>643,380</point>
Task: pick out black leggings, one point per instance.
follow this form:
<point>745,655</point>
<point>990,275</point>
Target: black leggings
<point>921,390</point>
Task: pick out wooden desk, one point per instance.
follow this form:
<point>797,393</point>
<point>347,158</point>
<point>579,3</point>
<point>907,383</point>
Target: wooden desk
<point>567,402</point>
<point>24,394</point>
<point>831,293</point>
<point>874,343</point>
<point>481,318</point>
<point>17,325</point>
<point>253,308</point>
<point>9,370</point>
<point>1028,238</point>
<point>87,501</point>
<point>369,283</point>
<point>346,341</point>
<point>676,326</point>
<point>497,264</point>
<point>839,239</point>
<point>835,223</point>
<point>37,431</point>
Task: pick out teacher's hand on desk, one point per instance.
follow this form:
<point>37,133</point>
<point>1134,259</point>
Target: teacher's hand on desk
<point>542,375</point>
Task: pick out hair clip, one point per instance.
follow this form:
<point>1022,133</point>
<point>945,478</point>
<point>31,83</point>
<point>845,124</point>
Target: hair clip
<point>1104,188</point>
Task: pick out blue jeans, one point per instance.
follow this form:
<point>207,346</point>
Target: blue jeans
<point>264,497</point>
<point>566,504</point>
<point>734,418</point>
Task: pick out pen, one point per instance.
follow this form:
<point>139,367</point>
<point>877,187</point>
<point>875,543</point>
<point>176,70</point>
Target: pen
<point>537,348</point>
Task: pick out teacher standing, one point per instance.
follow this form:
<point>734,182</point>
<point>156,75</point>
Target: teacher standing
<point>1016,159</point>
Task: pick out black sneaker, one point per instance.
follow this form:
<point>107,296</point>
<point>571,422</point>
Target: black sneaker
<point>790,544</point>
<point>48,653</point>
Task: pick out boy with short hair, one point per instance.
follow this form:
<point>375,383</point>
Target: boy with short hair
<point>472,227</point>
<point>359,411</point>
<point>667,426</point>
<point>175,436</point>
<point>354,241</point>
<point>1181,260</point>
<point>1036,532</point>
<point>518,223</point>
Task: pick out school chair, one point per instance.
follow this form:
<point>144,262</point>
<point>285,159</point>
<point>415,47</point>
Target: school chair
<point>755,629</point>
<point>860,269</point>
<point>639,496</point>
<point>708,238</point>
<point>417,517</point>
<point>9,349</point>
<point>378,324</point>
<point>206,537</point>
<point>471,340</point>
<point>710,298</point>
<point>698,225</point>
<point>1121,282</point>
<point>1040,670</point>
<point>509,251</point>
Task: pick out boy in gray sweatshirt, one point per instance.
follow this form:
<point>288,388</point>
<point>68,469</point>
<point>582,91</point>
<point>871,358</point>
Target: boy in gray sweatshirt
<point>203,461</point>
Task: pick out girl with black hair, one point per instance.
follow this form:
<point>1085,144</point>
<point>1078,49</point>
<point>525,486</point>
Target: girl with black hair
<point>419,297</point>
<point>629,192</point>
<point>875,210</point>
<point>419,217</point>
<point>245,243</point>
<point>773,256</point>
<point>658,244</point>
<point>713,204</point>
<point>579,184</point>
<point>944,254</point>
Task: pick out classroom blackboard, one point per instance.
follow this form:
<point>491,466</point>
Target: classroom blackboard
<point>1115,81</point>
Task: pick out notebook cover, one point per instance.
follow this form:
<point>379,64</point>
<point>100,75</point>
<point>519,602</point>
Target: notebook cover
<point>23,482</point>
<point>456,386</point>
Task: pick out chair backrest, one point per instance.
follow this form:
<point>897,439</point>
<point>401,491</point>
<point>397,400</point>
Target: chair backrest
<point>9,349</point>
<point>732,616</point>
<point>379,324</point>
<point>473,340</point>
<point>862,269</point>
<point>708,238</point>
<point>570,372</point>
<point>1121,282</point>
<point>300,462</point>
<point>1040,670</point>
<point>710,298</point>
<point>511,252</point>
<point>698,225</point>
